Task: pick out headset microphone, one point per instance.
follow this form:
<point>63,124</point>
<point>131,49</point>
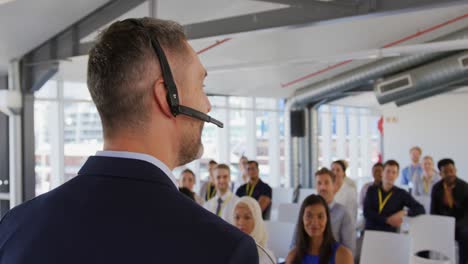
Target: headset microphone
<point>172,95</point>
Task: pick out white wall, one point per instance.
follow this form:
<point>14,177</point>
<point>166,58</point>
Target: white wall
<point>439,125</point>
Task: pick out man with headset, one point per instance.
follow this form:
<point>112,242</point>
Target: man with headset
<point>124,206</point>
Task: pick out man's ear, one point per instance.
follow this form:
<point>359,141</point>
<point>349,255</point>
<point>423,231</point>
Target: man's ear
<point>160,96</point>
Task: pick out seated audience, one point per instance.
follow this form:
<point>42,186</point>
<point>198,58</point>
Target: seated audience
<point>314,237</point>
<point>223,203</point>
<point>377,170</point>
<point>208,189</point>
<point>346,191</point>
<point>187,192</point>
<point>187,180</point>
<point>424,182</point>
<point>248,218</point>
<point>409,172</point>
<point>383,206</point>
<point>342,225</point>
<point>450,198</point>
<point>257,189</point>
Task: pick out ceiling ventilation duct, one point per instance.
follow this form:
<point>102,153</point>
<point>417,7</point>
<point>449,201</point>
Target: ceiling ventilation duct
<point>369,72</point>
<point>424,79</point>
<point>431,92</point>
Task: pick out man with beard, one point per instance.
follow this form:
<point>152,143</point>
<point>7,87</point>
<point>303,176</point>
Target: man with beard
<point>342,225</point>
<point>450,198</point>
<point>124,205</point>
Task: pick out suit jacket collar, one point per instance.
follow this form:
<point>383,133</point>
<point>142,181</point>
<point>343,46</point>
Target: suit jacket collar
<point>131,169</point>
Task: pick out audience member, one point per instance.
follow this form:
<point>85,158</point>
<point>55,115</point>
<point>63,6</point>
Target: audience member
<point>208,189</point>
<point>377,170</point>
<point>383,205</point>
<point>222,204</point>
<point>346,192</point>
<point>257,189</point>
<point>450,198</point>
<point>187,192</point>
<point>314,237</point>
<point>342,225</point>
<point>187,180</point>
<point>409,173</point>
<point>243,166</point>
<point>248,218</point>
<point>423,182</point>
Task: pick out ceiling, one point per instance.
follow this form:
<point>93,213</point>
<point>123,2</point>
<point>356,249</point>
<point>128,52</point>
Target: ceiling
<point>261,63</point>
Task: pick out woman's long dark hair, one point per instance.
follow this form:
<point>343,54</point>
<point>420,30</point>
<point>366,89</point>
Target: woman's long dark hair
<point>342,164</point>
<point>302,238</point>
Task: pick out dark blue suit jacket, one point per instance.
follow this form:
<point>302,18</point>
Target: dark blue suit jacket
<point>119,211</point>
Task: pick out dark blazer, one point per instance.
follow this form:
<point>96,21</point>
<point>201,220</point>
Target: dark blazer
<point>119,210</point>
<point>460,197</point>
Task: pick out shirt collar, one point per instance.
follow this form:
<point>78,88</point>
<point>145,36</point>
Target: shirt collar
<point>225,196</point>
<point>139,156</point>
<point>330,205</point>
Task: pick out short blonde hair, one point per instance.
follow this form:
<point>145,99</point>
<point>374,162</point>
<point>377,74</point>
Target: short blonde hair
<point>428,158</point>
<point>416,148</point>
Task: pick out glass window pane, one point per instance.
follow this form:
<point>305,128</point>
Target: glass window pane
<point>48,90</point>
<point>240,102</point>
<point>82,135</point>
<point>265,103</point>
<point>217,101</point>
<point>238,134</point>
<point>46,146</point>
<point>76,90</point>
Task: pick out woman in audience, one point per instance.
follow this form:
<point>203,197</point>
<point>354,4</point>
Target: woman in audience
<point>314,238</point>
<point>248,218</point>
<point>423,182</point>
<point>346,191</point>
<point>187,180</point>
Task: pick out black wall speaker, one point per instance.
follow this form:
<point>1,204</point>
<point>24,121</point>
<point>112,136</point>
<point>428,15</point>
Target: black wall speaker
<point>297,123</point>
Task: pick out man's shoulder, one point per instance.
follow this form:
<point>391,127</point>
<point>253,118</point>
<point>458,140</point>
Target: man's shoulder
<point>373,189</point>
<point>264,185</point>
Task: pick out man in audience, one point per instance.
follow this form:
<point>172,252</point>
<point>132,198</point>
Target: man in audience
<point>342,225</point>
<point>208,189</point>
<point>409,173</point>
<point>450,198</point>
<point>383,205</point>
<point>223,203</point>
<point>257,189</point>
<point>377,170</point>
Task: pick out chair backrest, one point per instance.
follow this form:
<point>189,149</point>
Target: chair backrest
<point>420,260</point>
<point>425,201</point>
<point>385,248</point>
<point>281,195</point>
<point>280,235</point>
<point>304,192</point>
<point>288,212</point>
<point>433,232</point>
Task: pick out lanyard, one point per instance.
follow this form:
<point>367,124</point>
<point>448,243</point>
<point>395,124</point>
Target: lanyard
<point>384,202</point>
<point>249,191</point>
<point>222,205</point>
<point>209,194</point>
<point>426,182</point>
